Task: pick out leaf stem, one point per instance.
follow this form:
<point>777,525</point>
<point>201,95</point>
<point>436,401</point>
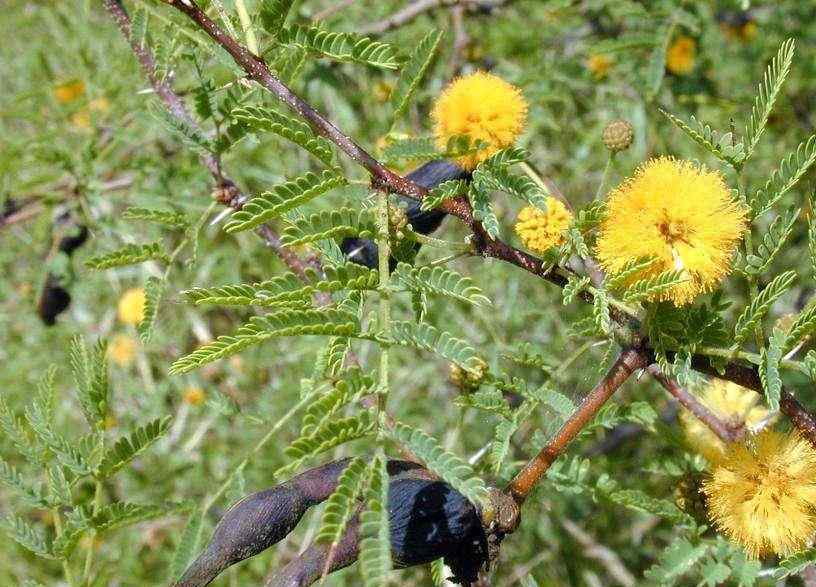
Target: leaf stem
<point>66,566</point>
<point>246,24</point>
<point>384,252</point>
<point>605,176</point>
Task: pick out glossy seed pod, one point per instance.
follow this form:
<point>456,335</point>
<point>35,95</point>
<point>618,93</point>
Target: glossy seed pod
<point>429,519</point>
<point>54,300</point>
<point>429,175</point>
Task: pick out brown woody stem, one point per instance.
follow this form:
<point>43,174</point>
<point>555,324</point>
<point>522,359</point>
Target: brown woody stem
<point>627,363</point>
<point>692,404</point>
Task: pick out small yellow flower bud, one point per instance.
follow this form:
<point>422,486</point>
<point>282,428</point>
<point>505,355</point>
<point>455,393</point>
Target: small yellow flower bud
<point>194,396</point>
<point>131,306</point>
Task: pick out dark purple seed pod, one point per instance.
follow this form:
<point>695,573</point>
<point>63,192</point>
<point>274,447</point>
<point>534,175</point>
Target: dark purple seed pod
<point>54,300</point>
<point>430,519</point>
<point>71,242</point>
<point>261,520</point>
<point>429,175</point>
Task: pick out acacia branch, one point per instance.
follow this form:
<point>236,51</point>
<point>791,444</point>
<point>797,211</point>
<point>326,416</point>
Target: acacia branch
<point>723,431</point>
<point>627,363</point>
<point>226,189</point>
<point>383,178</point>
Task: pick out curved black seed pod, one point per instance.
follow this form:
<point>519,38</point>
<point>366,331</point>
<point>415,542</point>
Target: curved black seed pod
<point>429,519</point>
<point>429,175</point>
<point>69,243</point>
<point>260,520</point>
<point>54,300</point>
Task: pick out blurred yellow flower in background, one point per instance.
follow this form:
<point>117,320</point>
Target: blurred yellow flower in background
<point>131,306</point>
<point>763,493</point>
<point>542,230</point>
<point>483,107</point>
<point>69,91</point>
<point>681,55</point>
<point>122,349</point>
<point>681,216</point>
<point>599,65</point>
<point>194,395</point>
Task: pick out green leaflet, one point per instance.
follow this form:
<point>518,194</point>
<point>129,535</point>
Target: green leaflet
<point>330,225</point>
<point>345,47</point>
<point>413,72</point>
<point>375,543</point>
<point>439,281</point>
<point>767,93</point>
<point>262,119</point>
<point>456,472</point>
<point>261,328</point>
<point>130,446</point>
<point>426,337</point>
<point>721,146</point>
<point>283,198</point>
<point>128,255</point>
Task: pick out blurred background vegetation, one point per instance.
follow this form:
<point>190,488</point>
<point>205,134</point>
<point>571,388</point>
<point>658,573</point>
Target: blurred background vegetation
<point>79,137</point>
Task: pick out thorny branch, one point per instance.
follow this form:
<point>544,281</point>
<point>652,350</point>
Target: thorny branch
<point>228,192</point>
<point>309,566</point>
<point>419,7</point>
<point>383,178</point>
<point>627,363</point>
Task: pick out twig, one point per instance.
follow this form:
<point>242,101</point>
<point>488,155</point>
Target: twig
<point>692,404</point>
<point>228,191</point>
<point>603,554</point>
<point>627,362</point>
<point>332,9</point>
<point>404,16</point>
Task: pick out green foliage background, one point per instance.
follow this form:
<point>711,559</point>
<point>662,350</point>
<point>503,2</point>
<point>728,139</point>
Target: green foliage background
<point>127,157</point>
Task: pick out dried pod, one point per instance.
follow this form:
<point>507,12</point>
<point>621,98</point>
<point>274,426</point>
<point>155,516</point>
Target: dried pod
<point>260,520</point>
<point>71,242</point>
<point>54,300</point>
<point>429,175</point>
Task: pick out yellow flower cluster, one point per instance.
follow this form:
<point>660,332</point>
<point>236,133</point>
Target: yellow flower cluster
<point>679,215</point>
<point>681,56</point>
<point>731,403</point>
<point>132,306</point>
<point>542,230</point>
<point>763,493</point>
<point>482,107</point>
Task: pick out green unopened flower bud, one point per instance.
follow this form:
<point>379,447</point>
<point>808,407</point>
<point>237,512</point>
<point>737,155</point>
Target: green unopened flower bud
<point>618,135</point>
<point>469,380</point>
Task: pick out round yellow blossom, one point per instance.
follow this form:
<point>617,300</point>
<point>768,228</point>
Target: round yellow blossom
<point>599,65</point>
<point>679,215</point>
<point>763,494</point>
<point>122,350</point>
<point>541,231</point>
<point>69,91</point>
<point>131,306</point>
<point>81,119</point>
<point>736,405</point>
<point>482,107</point>
<point>681,56</point>
<point>99,105</point>
<point>194,396</point>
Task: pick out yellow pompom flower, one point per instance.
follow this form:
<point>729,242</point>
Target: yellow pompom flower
<point>599,65</point>
<point>541,231</point>
<point>69,91</point>
<point>681,56</point>
<point>482,107</point>
<point>194,395</point>
<point>735,405</point>
<point>763,494</point>
<point>122,350</point>
<point>681,216</point>
<point>132,305</point>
